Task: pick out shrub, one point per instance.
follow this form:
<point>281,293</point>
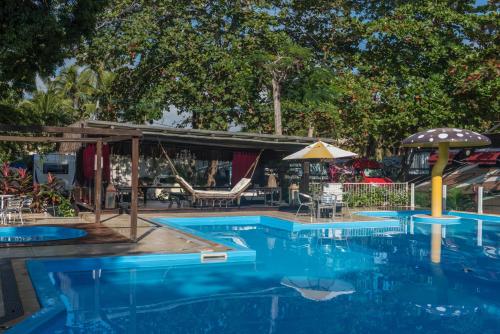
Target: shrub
<point>376,196</point>
<point>65,208</point>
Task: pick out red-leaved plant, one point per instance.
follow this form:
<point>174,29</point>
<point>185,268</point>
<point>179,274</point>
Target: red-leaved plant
<point>20,183</point>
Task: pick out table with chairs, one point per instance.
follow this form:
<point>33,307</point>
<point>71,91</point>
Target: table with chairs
<point>324,204</point>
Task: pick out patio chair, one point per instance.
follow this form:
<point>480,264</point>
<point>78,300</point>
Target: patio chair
<point>337,190</point>
<point>26,205</point>
<point>12,209</point>
<point>329,202</point>
<point>308,203</point>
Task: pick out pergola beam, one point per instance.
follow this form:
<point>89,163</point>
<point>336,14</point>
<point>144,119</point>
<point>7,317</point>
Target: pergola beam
<point>116,139</point>
<point>70,130</point>
<point>31,139</point>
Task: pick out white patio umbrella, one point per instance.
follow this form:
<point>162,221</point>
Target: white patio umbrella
<point>320,151</point>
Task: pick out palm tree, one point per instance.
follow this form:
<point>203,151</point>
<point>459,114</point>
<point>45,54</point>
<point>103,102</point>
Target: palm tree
<point>102,105</point>
<point>78,84</point>
<point>49,107</point>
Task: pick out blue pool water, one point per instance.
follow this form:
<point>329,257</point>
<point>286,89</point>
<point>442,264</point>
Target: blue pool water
<point>361,279</point>
<point>27,234</point>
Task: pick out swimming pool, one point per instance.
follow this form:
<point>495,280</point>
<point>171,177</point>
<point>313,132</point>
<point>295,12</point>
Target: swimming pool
<point>359,278</point>
<point>28,234</point>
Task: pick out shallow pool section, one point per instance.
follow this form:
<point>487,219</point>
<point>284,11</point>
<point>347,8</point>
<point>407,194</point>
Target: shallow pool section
<point>341,278</point>
<point>28,234</point>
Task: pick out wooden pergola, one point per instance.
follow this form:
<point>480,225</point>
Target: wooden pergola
<point>49,134</point>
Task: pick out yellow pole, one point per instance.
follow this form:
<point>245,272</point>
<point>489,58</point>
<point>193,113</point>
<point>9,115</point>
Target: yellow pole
<point>436,243</point>
<point>437,180</point>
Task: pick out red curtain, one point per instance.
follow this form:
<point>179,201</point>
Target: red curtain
<point>241,163</point>
<point>89,162</point>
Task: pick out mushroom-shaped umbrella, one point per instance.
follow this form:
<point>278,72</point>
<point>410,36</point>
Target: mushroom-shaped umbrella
<point>443,139</point>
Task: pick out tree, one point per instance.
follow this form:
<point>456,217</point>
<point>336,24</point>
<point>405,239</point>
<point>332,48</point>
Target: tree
<point>49,107</point>
<point>164,57</point>
<point>281,57</point>
<point>365,72</point>
<point>78,84</point>
<point>36,36</point>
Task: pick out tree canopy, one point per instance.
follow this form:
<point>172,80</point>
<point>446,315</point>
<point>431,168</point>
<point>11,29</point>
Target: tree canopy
<point>365,72</point>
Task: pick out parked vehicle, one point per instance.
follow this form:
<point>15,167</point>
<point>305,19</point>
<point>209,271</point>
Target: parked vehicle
<point>359,170</point>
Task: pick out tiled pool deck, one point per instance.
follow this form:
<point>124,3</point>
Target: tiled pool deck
<point>112,238</point>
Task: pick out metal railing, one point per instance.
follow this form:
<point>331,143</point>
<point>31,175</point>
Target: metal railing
<point>372,195</point>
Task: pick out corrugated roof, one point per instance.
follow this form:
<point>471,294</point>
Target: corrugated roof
<point>212,138</point>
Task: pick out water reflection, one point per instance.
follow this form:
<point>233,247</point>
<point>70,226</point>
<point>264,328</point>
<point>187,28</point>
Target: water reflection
<point>436,243</point>
<point>318,289</point>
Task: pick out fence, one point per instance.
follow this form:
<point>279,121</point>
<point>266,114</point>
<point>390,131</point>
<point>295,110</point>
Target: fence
<point>371,195</point>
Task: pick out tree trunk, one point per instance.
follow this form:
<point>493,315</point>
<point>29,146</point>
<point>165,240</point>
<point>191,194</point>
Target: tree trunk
<point>277,106</point>
<point>371,147</point>
<point>211,171</point>
<point>310,131</point>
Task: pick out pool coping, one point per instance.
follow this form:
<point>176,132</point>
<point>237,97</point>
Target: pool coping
<point>94,235</point>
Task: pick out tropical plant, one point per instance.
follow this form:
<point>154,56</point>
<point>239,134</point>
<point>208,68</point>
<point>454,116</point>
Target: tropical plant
<point>65,208</point>
<point>77,84</point>
<point>50,106</point>
<point>457,199</point>
<point>47,194</point>
<point>15,181</point>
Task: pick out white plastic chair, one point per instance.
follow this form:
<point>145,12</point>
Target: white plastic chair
<point>26,205</point>
<point>308,203</point>
<point>328,201</point>
<point>13,208</point>
<point>337,190</point>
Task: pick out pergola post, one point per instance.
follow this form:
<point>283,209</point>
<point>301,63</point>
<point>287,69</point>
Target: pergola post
<point>98,181</point>
<point>135,188</point>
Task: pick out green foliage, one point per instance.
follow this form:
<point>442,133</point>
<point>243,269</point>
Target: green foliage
<point>423,198</point>
<point>65,208</point>
<point>457,199</point>
<point>367,73</point>
<point>36,36</point>
<point>18,182</point>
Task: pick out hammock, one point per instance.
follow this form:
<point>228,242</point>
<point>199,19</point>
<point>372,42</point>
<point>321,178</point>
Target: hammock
<point>214,195</point>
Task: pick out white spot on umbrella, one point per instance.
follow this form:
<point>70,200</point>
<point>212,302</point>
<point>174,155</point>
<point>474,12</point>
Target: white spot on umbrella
<point>443,135</point>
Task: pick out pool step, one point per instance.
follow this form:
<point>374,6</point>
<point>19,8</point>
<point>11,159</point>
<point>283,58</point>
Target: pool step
<point>213,257</point>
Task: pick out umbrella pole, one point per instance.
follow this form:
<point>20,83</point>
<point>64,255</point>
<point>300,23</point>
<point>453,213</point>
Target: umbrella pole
<point>437,180</point>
